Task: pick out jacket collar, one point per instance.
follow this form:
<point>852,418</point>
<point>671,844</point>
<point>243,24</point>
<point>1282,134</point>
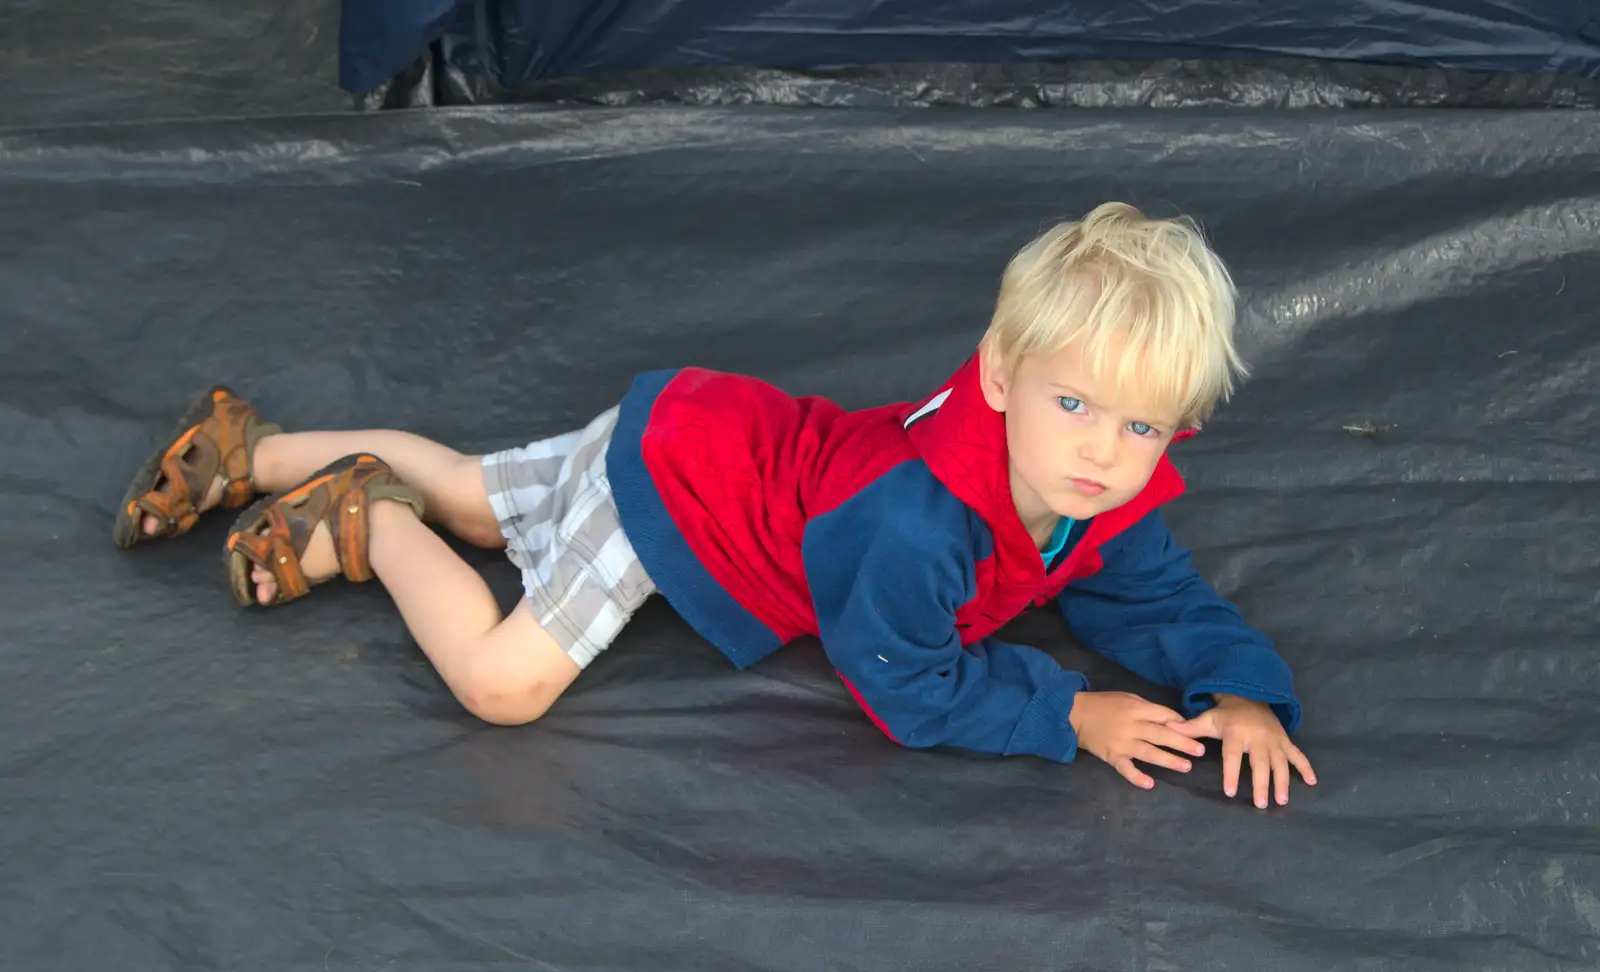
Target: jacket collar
<point>963,442</point>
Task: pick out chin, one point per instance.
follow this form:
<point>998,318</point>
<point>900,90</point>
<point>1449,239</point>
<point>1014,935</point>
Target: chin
<point>1080,507</point>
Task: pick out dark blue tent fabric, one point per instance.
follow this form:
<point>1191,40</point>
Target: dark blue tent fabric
<point>518,42</point>
<point>378,38</point>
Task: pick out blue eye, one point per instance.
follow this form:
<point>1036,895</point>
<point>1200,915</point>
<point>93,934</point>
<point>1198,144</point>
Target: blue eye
<point>1139,428</point>
<point>1070,404</point>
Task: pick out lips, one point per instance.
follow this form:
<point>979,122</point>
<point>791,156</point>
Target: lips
<point>1088,487</point>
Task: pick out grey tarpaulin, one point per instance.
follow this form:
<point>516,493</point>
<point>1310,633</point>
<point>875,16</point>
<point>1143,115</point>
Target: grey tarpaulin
<point>189,786</point>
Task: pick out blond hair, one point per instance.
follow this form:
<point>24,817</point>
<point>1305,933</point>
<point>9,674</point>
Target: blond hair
<point>1117,276</point>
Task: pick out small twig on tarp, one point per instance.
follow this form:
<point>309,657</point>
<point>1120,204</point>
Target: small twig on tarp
<point>1366,430</point>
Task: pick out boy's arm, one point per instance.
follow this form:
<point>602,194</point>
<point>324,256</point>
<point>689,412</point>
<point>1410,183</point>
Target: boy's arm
<point>887,572</point>
<point>1150,611</point>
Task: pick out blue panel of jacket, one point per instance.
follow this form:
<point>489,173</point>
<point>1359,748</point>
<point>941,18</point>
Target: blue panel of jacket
<point>889,569</point>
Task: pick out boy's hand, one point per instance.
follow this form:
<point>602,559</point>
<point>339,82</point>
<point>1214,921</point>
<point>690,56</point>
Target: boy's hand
<point>1120,727</point>
<point>1247,726</point>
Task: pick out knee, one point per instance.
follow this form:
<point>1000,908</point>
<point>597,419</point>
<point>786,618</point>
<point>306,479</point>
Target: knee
<point>503,700</point>
<point>508,707</point>
<point>513,675</point>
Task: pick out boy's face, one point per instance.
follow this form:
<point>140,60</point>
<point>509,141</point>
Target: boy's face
<point>1079,447</point>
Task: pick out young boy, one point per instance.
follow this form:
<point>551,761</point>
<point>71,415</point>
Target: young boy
<point>901,536</point>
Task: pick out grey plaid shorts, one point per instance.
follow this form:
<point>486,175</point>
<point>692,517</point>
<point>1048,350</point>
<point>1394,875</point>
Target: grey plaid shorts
<point>580,574</point>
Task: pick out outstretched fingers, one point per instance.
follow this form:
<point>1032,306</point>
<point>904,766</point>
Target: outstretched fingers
<point>1171,738</point>
<point>1232,755</point>
<point>1133,774</point>
<point>1260,776</point>
<point>1301,763</point>
<point>1156,756</point>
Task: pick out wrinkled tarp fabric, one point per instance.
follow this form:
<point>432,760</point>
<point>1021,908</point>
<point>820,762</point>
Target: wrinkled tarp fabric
<point>1404,497</point>
<point>516,43</point>
<point>1087,84</point>
<point>68,62</point>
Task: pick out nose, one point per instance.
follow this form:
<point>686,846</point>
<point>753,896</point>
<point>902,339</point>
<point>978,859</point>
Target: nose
<point>1100,446</point>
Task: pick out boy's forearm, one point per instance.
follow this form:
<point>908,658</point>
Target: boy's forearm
<point>996,698</point>
<point>1149,610</point>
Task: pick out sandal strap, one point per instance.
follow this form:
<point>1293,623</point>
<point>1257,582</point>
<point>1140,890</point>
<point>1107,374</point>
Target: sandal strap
<point>349,525</point>
<point>188,466</point>
<point>274,534</point>
<point>223,441</point>
<point>233,431</point>
<point>278,548</point>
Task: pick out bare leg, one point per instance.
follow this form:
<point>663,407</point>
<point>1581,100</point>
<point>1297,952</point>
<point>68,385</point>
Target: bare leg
<point>451,483</point>
<point>506,671</point>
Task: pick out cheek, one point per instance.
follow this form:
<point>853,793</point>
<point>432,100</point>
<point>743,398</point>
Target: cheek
<point>1046,441</point>
<point>1036,450</point>
<point>1140,463</point>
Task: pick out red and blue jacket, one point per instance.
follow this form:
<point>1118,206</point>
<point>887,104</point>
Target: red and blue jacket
<point>890,534</point>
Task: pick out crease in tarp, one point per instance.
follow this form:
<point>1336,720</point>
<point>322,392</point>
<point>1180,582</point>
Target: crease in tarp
<point>1097,83</point>
<point>516,44</point>
<point>325,148</point>
<point>1427,268</point>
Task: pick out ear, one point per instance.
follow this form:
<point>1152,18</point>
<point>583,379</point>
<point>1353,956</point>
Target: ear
<point>992,377</point>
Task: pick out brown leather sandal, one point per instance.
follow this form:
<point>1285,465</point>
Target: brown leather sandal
<point>217,434</point>
<point>275,531</point>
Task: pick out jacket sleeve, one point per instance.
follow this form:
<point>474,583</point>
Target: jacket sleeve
<point>1150,611</point>
<point>887,572</point>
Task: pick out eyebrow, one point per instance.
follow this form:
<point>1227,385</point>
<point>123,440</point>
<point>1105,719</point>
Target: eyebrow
<point>1067,388</point>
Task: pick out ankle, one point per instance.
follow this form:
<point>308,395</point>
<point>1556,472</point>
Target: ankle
<point>389,511</point>
<point>268,468</point>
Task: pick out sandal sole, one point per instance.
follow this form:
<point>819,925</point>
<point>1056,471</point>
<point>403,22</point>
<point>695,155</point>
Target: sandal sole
<point>128,531</point>
<point>239,582</point>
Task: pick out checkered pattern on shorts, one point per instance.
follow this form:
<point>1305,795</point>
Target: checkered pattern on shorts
<point>554,504</point>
